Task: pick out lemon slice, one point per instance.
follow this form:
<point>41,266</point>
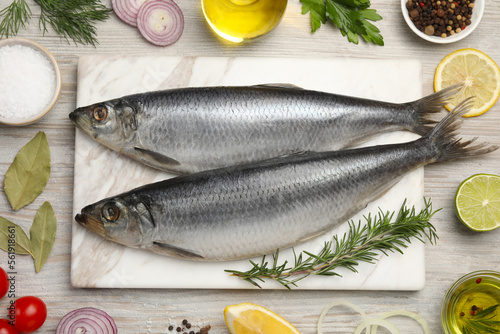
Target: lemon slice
<point>478,74</point>
<point>248,318</point>
<point>477,202</point>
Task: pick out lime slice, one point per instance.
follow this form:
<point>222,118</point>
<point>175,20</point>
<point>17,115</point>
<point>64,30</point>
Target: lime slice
<point>477,202</point>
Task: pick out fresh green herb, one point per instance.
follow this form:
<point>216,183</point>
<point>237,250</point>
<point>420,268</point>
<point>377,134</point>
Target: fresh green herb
<point>15,16</point>
<point>482,322</point>
<point>350,16</point>
<point>359,244</point>
<point>28,174</point>
<point>71,19</point>
<point>43,235</point>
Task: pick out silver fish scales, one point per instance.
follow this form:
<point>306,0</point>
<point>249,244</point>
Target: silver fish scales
<point>193,129</point>
<point>254,209</point>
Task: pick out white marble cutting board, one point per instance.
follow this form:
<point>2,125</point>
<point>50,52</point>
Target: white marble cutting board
<point>100,172</point>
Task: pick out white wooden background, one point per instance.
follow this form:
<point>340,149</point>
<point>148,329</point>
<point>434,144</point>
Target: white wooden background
<point>457,252</point>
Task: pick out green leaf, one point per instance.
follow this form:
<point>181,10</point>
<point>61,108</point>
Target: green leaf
<point>28,174</point>
<point>13,239</point>
<point>350,16</point>
<point>372,34</point>
<point>43,235</point>
<point>370,14</point>
<point>317,10</point>
<point>347,19</point>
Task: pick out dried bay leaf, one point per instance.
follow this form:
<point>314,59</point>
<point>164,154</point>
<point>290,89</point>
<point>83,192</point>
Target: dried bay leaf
<point>29,172</point>
<point>10,231</point>
<point>43,235</point>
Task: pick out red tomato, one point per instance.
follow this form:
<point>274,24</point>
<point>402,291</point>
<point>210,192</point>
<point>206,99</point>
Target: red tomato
<point>4,283</point>
<point>6,328</point>
<point>31,313</point>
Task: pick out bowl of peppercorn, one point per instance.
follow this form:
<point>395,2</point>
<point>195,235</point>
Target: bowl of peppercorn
<point>442,21</point>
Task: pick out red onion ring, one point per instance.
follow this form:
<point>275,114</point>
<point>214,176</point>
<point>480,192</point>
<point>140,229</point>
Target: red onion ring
<point>127,10</point>
<point>87,319</point>
<point>160,22</point>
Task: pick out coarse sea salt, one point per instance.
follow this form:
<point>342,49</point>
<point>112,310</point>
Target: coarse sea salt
<point>27,82</point>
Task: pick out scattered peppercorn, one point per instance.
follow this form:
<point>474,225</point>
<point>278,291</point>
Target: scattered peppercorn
<point>479,280</point>
<point>462,314</point>
<point>440,17</point>
<point>186,325</point>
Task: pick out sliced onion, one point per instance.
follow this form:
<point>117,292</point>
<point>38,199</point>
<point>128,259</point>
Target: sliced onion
<point>160,22</point>
<point>87,320</point>
<point>367,323</point>
<point>338,303</point>
<point>370,324</point>
<point>421,321</point>
<point>127,10</point>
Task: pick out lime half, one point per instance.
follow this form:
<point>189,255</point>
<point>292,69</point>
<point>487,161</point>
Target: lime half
<point>477,202</point>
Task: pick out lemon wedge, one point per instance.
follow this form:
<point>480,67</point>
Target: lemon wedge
<point>478,75</point>
<point>248,318</point>
<point>477,202</point>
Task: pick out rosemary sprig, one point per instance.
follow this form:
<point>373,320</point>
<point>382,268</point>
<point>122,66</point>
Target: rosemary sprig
<point>70,19</point>
<point>359,244</point>
<point>481,322</point>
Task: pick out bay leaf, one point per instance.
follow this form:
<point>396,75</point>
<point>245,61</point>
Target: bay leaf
<point>43,235</point>
<point>29,172</point>
<point>10,231</point>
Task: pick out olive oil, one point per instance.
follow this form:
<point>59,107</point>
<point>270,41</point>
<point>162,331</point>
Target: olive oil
<point>467,301</point>
<point>242,20</point>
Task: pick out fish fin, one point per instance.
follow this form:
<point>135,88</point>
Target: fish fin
<point>147,221</point>
<point>429,105</point>
<point>443,137</point>
<point>155,159</point>
<point>165,249</point>
<point>278,85</point>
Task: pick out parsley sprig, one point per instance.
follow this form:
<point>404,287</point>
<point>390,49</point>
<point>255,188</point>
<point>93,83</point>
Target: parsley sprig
<point>362,243</point>
<point>352,17</point>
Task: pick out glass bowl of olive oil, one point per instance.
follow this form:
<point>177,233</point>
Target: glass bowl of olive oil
<point>243,20</point>
<point>471,305</point>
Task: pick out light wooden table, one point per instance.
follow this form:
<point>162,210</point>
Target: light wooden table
<point>457,252</point>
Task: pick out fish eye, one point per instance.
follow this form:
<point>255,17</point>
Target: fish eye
<point>100,113</point>
<point>111,212</point>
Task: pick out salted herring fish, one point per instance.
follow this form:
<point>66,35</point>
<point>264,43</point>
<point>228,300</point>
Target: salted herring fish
<point>256,208</point>
<point>189,130</point>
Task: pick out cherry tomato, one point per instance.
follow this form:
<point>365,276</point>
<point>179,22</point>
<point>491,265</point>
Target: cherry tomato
<point>4,283</point>
<point>6,328</point>
<point>31,313</point>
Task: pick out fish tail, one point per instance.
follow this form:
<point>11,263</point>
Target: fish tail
<point>425,107</point>
<point>445,143</point>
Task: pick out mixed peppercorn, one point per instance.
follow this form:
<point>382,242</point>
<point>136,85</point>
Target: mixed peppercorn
<point>186,326</point>
<point>440,17</point>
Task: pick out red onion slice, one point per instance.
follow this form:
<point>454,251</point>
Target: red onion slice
<point>127,10</point>
<point>160,22</point>
<point>87,320</point>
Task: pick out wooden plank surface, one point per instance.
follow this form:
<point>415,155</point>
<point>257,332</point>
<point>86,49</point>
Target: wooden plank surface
<point>457,252</point>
